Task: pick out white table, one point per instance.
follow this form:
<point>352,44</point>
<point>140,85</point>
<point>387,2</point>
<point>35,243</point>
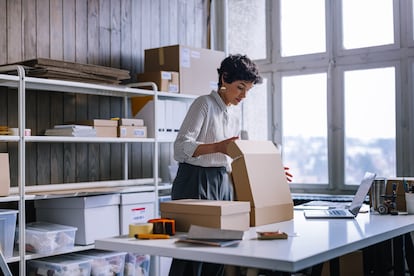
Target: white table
<point>310,242</point>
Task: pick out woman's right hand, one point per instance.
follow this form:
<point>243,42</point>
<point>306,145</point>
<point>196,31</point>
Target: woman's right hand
<point>222,145</point>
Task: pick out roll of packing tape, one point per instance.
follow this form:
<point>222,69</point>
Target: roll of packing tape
<point>140,228</point>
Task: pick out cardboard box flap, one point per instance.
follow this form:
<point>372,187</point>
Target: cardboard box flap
<point>246,147</point>
<point>258,173</point>
<point>205,207</point>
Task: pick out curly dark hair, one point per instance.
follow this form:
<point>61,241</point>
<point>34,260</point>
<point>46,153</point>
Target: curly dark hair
<point>238,67</point>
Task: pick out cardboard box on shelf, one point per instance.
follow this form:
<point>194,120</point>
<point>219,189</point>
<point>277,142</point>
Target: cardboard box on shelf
<point>85,213</point>
<point>197,67</point>
<point>166,81</point>
<point>210,213</point>
<point>259,177</point>
<point>104,128</point>
<point>130,122</point>
<point>4,174</point>
<point>132,131</point>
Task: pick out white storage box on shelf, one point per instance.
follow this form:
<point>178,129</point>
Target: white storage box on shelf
<point>104,262</point>
<point>136,208</point>
<point>62,265</point>
<point>137,264</point>
<point>95,216</point>
<point>47,238</point>
<point>7,231</point>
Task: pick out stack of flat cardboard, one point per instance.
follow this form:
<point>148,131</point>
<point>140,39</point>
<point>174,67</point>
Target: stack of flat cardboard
<point>64,70</point>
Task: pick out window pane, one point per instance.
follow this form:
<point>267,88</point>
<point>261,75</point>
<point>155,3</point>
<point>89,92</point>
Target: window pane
<point>255,112</point>
<point>247,28</point>
<point>367,23</point>
<point>302,27</point>
<point>304,121</point>
<point>369,123</point>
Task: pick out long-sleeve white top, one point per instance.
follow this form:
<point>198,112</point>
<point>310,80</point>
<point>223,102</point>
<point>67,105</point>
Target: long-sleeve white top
<point>208,120</point>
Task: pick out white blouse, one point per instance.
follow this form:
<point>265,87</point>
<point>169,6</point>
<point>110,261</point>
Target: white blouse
<point>208,120</point>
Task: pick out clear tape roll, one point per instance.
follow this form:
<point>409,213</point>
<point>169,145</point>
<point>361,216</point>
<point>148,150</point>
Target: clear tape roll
<point>140,228</point>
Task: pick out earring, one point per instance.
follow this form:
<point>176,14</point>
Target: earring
<point>223,88</point>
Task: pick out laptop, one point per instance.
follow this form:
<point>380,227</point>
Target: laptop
<point>353,209</point>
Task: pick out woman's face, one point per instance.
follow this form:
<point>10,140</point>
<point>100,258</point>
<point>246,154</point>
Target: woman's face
<point>235,92</point>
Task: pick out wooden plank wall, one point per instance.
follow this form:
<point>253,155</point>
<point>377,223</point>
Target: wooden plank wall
<point>103,32</point>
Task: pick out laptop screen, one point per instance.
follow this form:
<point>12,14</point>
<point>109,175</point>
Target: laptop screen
<point>361,192</point>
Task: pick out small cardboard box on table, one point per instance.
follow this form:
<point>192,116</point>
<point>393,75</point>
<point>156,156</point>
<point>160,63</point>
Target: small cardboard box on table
<point>233,215</point>
<point>259,177</point>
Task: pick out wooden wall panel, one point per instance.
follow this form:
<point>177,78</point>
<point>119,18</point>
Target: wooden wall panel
<point>104,32</point>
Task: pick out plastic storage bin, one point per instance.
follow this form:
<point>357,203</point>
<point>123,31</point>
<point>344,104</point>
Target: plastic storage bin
<point>7,231</point>
<point>47,238</point>
<point>137,264</point>
<point>104,262</point>
<point>62,265</point>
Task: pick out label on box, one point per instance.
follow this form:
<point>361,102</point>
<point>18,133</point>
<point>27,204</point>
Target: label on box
<point>138,215</point>
<point>166,75</point>
<point>185,59</point>
<point>174,88</point>
<point>138,132</point>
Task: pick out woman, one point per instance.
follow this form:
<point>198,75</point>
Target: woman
<point>201,145</point>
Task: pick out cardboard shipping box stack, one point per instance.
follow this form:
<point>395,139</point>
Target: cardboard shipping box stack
<point>132,128</point>
<point>233,215</point>
<point>4,174</point>
<point>196,67</point>
<point>166,81</point>
<point>259,177</point>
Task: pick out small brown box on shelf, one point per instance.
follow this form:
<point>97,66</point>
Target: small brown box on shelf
<point>103,127</point>
<point>166,81</point>
<point>132,131</point>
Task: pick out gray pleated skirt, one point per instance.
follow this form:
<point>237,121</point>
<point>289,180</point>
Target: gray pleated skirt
<point>197,182</point>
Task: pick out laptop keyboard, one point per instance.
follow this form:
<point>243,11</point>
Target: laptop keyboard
<point>337,212</point>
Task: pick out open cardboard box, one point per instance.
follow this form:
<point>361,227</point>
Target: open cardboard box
<point>259,177</point>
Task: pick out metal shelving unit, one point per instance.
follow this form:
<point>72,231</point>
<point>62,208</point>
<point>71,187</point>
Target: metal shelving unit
<point>21,193</point>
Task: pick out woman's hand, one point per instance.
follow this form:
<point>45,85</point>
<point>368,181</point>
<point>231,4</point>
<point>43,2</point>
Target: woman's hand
<point>288,175</point>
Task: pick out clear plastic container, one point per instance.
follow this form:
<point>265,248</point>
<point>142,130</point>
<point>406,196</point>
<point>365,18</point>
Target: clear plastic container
<point>48,238</point>
<point>104,263</point>
<point>62,265</point>
<point>7,231</point>
<point>137,264</point>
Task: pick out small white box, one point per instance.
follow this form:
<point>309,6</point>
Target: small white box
<point>7,231</point>
<point>95,217</point>
<point>47,238</point>
<point>62,265</point>
<point>104,262</point>
<point>135,208</point>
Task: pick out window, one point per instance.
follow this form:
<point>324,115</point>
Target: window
<point>302,29</point>
<point>339,84</point>
<point>369,122</point>
<point>304,124</point>
<point>367,23</point>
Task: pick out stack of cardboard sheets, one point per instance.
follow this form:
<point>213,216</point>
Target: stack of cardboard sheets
<point>64,70</point>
